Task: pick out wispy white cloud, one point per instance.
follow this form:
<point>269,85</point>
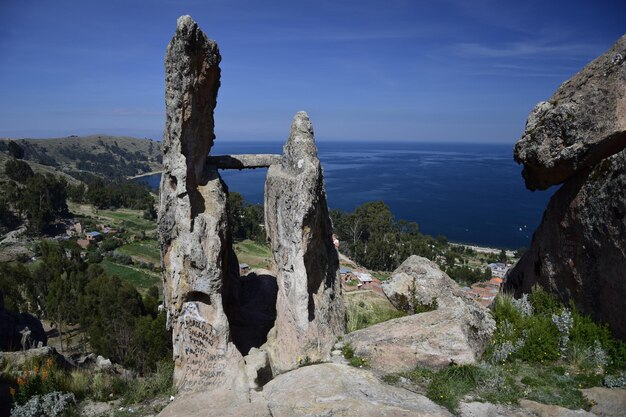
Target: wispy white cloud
<point>527,49</point>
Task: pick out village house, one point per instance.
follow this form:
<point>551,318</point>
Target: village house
<point>93,236</point>
<point>498,269</point>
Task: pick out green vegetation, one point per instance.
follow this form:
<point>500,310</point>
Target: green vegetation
<point>140,278</point>
<point>541,351</point>
<point>18,170</point>
<point>40,377</point>
<point>147,250</point>
<point>411,303</point>
<point>246,221</point>
<point>256,255</point>
<point>119,322</point>
<point>115,194</point>
<point>365,309</point>
<point>372,237</point>
<point>498,384</point>
<point>106,156</point>
<point>353,359</point>
<point>39,201</point>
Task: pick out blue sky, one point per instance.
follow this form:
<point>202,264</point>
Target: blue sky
<point>452,70</point>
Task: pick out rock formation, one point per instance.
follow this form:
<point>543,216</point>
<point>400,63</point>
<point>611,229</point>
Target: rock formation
<point>319,390</point>
<point>581,124</point>
<point>457,330</point>
<point>220,321</point>
<point>310,311</point>
<point>200,267</point>
<point>579,251</point>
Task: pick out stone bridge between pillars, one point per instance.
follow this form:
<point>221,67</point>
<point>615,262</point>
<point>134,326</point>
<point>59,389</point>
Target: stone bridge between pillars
<point>242,161</point>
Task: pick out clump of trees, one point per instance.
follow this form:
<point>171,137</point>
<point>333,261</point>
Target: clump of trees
<point>114,194</point>
<point>246,221</point>
<point>372,237</point>
<point>119,322</point>
<point>39,199</point>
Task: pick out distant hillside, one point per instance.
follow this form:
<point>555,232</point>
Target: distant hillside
<point>108,156</point>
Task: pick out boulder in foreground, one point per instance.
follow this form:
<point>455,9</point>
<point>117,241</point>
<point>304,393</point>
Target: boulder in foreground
<point>456,331</point>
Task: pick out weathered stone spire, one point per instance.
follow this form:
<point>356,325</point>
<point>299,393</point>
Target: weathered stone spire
<point>310,311</point>
<point>199,266</point>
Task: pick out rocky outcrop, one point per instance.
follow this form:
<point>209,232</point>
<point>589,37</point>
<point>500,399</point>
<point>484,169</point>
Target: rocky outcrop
<point>581,124</point>
<point>341,390</point>
<point>200,268</point>
<point>317,390</point>
<point>526,408</point>
<point>19,331</point>
<point>606,402</point>
<point>578,252</point>
<point>310,311</point>
<point>456,331</point>
<point>220,321</point>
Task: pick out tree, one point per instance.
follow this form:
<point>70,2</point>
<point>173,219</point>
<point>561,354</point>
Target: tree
<point>109,309</point>
<point>151,342</point>
<point>15,150</point>
<point>502,256</point>
<point>234,209</point>
<point>18,170</point>
<point>44,200</point>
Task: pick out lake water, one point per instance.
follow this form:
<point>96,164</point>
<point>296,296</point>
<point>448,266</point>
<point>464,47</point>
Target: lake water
<point>471,193</point>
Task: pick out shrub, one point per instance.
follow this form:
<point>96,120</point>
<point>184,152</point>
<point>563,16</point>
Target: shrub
<point>447,386</point>
<point>542,341</point>
<point>18,170</point>
<point>544,303</point>
<point>38,377</point>
<point>50,405</point>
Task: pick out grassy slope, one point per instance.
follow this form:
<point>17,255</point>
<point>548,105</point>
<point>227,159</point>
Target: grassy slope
<point>95,144</point>
<point>37,168</point>
<point>254,254</point>
<point>140,278</point>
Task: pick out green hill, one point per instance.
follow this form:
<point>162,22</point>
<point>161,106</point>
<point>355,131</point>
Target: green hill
<point>108,156</point>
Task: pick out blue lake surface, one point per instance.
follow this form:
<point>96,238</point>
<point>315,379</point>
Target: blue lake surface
<point>470,193</point>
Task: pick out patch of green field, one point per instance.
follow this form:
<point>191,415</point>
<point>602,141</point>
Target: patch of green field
<point>141,279</point>
<point>147,250</point>
<point>366,308</point>
<point>129,219</point>
<point>254,254</point>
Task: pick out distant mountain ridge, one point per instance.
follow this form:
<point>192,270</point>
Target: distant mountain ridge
<point>103,155</point>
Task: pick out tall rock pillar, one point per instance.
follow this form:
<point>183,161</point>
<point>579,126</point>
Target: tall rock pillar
<point>309,307</point>
<point>200,268</point>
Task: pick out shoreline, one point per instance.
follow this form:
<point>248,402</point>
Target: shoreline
<point>145,174</point>
<point>484,249</point>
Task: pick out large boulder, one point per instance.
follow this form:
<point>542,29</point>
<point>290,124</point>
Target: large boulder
<point>581,124</point>
<point>310,314</point>
<point>200,269</point>
<point>317,390</point>
<point>578,252</point>
<point>456,331</point>
<point>341,390</point>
